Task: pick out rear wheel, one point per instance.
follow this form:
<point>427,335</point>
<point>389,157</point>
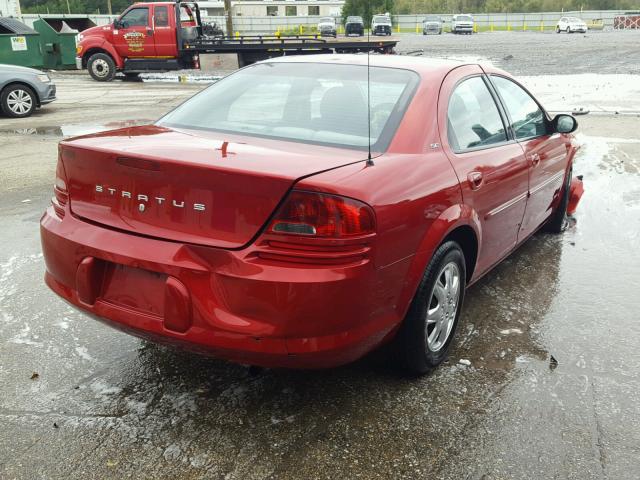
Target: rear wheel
<point>428,329</point>
<point>101,67</point>
<point>557,29</point>
<point>558,219</point>
<point>18,101</point>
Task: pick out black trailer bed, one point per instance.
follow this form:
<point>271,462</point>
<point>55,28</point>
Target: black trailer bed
<point>251,49</point>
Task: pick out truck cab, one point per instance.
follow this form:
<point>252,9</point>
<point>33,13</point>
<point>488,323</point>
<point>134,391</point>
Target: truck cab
<point>148,36</point>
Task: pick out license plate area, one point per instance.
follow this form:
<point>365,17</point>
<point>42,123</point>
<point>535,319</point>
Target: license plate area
<point>134,288</point>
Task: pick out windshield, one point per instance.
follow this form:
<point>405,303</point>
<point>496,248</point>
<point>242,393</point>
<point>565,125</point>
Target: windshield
<point>432,19</point>
<point>463,18</point>
<point>381,19</point>
<point>354,19</point>
<point>302,102</point>
<point>327,20</point>
<point>574,19</point>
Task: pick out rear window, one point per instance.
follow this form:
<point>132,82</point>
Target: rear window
<point>303,102</point>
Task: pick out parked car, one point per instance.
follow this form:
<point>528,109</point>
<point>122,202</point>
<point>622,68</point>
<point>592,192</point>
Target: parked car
<point>462,24</point>
<point>432,25</point>
<point>381,25</point>
<point>280,229</point>
<point>23,89</point>
<point>354,26</point>
<point>571,25</point>
<point>327,27</point>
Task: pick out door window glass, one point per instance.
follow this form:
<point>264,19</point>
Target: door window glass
<point>136,17</point>
<point>473,117</point>
<point>527,116</point>
<point>162,17</point>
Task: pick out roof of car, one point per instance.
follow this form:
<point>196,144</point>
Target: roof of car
<point>422,65</point>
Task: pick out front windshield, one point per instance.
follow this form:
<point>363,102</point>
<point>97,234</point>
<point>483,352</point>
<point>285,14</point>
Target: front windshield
<point>302,102</point>
<point>432,19</point>
<point>381,19</point>
<point>327,20</point>
<point>464,18</point>
<point>574,19</point>
<point>354,19</point>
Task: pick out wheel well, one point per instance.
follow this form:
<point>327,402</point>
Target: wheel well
<point>466,238</point>
<point>91,51</point>
<point>24,84</point>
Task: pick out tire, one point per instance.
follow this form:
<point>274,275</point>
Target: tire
<point>557,29</point>
<point>101,67</point>
<point>417,352</point>
<point>131,77</point>
<point>18,101</point>
<point>558,220</point>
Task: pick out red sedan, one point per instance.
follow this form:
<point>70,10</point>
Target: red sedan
<point>253,224</point>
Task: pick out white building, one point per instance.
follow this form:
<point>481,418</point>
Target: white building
<point>274,8</point>
<point>9,8</point>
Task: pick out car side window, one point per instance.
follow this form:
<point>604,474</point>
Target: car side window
<point>136,17</point>
<point>528,119</point>
<point>473,117</point>
<point>162,17</point>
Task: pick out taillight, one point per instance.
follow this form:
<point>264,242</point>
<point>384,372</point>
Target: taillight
<point>60,192</point>
<point>323,215</point>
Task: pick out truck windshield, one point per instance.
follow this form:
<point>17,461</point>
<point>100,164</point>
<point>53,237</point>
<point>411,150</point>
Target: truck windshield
<point>327,20</point>
<point>315,103</point>
<point>463,18</point>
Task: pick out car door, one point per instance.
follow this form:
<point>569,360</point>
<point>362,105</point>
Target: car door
<point>134,36</point>
<point>490,165</point>
<point>164,32</point>
<point>546,151</point>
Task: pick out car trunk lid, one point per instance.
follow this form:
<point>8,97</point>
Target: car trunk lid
<point>189,186</point>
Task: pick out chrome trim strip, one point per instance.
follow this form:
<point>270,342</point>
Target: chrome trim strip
<point>547,182</point>
<point>506,205</point>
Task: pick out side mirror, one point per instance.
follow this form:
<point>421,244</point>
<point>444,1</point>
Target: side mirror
<point>564,123</point>
<point>117,24</point>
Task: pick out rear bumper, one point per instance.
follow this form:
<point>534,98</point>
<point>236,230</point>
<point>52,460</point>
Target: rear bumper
<point>219,302</point>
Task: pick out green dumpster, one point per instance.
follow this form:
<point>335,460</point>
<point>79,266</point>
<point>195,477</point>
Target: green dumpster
<point>58,36</point>
<point>19,44</point>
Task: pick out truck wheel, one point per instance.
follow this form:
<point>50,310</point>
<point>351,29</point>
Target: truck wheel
<point>18,101</point>
<point>101,67</point>
<point>425,336</point>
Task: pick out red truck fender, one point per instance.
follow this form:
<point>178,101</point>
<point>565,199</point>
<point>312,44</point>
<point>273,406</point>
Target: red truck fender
<point>92,45</point>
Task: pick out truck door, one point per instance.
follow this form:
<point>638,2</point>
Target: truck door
<point>164,31</point>
<point>133,34</point>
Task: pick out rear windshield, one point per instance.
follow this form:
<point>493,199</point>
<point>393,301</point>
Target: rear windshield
<point>315,103</point>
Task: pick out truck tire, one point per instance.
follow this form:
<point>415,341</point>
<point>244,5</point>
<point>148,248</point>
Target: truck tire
<point>18,101</point>
<point>101,67</point>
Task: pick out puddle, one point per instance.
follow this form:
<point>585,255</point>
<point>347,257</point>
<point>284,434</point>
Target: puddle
<point>73,130</point>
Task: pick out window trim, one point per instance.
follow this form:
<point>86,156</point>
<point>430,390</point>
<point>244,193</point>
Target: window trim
<point>507,129</point>
<point>547,119</point>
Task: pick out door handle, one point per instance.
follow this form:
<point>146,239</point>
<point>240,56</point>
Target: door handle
<point>475,180</point>
<point>535,159</point>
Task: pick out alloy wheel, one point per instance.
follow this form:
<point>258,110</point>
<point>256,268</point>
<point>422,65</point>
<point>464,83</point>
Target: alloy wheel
<point>443,306</point>
<point>19,101</point>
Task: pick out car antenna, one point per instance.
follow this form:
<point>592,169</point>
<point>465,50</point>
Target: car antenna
<point>369,159</point>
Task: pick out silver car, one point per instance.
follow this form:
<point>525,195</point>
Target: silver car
<point>23,89</point>
<point>432,25</point>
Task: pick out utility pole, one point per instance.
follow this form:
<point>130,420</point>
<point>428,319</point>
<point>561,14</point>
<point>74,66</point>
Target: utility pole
<point>109,7</point>
<point>68,8</point>
<point>229,17</point>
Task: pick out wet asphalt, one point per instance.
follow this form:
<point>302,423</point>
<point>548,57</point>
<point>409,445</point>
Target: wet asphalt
<point>80,400</point>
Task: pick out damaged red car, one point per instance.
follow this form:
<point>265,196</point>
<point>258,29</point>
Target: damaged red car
<point>304,211</point>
